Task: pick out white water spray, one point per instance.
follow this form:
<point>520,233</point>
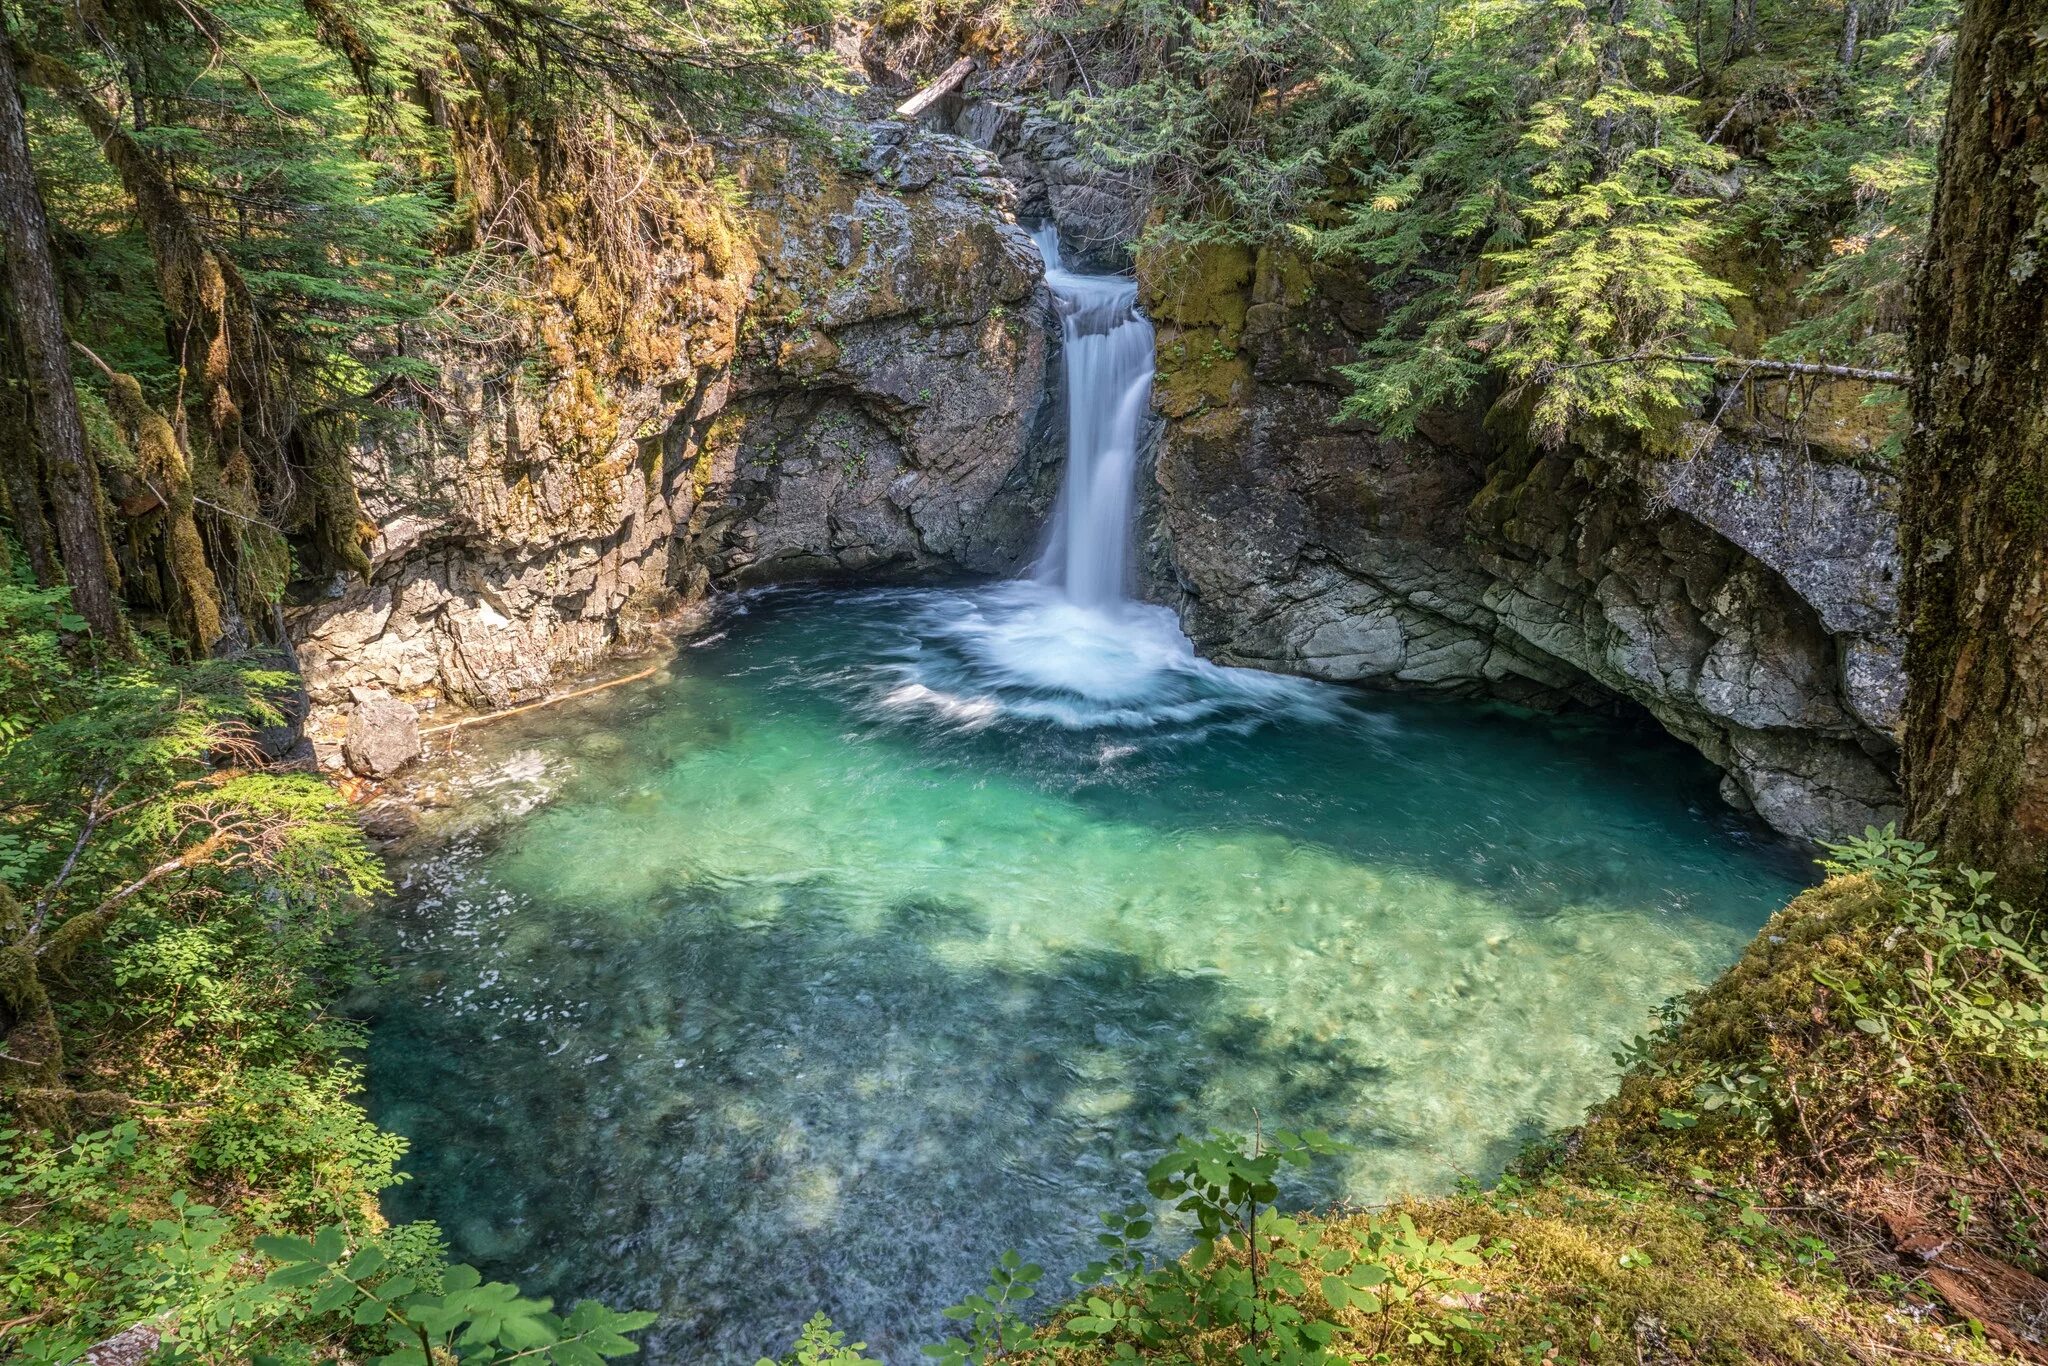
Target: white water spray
<point>1108,351</point>
<point>1065,646</point>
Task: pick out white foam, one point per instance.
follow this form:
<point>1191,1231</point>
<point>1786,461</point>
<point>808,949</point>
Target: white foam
<point>1024,652</point>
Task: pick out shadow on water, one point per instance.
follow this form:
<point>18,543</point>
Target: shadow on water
<point>738,996</point>
<point>742,1121</point>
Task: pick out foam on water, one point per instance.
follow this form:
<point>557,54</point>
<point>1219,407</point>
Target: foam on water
<point>1026,652</point>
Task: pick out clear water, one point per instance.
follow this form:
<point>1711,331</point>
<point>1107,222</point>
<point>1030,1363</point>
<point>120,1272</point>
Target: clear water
<point>886,931</point>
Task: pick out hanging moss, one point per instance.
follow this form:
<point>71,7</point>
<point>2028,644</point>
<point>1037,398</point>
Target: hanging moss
<point>332,511</point>
<point>162,460</point>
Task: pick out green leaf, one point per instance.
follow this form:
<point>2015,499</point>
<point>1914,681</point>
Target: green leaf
<point>284,1248</point>
<point>329,1243</point>
<point>365,1263</point>
<point>298,1273</point>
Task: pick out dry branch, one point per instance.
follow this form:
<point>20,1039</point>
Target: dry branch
<point>1752,365</point>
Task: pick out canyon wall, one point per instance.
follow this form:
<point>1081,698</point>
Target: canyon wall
<point>845,378</point>
<point>1741,590</point>
<point>854,387</point>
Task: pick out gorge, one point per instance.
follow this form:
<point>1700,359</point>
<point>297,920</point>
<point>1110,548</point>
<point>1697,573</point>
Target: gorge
<point>1070,682</point>
<point>876,933</point>
<point>878,409</point>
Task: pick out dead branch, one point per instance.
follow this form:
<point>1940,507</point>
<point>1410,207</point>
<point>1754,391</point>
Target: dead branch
<point>1750,363</point>
<point>948,80</point>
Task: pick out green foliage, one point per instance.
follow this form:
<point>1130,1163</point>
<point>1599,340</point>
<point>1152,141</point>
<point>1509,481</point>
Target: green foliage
<point>993,1327</point>
<point>1555,217</point>
<point>1560,197</point>
<point>461,1317</point>
<point>281,159</point>
<point>1258,1287</point>
<point>1849,194</point>
<point>171,917</point>
<point>821,1345</point>
<point>1961,976</point>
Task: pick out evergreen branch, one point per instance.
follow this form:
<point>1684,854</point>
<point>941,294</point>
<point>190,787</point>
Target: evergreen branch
<point>1772,367</point>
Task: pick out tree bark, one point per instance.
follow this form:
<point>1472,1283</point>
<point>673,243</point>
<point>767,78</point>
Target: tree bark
<point>1975,495</point>
<point>21,472</point>
<point>1741,28</point>
<point>68,474</point>
<point>937,90</point>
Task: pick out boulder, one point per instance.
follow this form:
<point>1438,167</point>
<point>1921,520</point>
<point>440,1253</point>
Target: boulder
<point>383,737</point>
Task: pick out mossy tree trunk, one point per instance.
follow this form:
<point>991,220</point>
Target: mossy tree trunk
<point>1975,498</point>
<point>65,468</point>
<point>21,470</point>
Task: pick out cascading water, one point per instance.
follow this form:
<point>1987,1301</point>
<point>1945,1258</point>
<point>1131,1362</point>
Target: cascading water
<point>1108,350</point>
<point>1065,645</point>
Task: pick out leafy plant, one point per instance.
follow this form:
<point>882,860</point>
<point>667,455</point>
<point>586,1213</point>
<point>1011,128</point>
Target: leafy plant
<point>1276,1288</point>
<point>1958,975</point>
<point>821,1345</point>
<point>170,906</point>
<point>462,1318</point>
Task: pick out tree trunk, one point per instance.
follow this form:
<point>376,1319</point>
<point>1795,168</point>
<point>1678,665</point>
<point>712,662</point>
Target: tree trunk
<point>1975,496</point>
<point>69,477</point>
<point>1612,69</point>
<point>1741,28</point>
<point>21,472</point>
<point>1852,23</point>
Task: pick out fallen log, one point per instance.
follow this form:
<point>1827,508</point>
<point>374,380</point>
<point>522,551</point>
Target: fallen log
<point>948,80</point>
<point>482,717</point>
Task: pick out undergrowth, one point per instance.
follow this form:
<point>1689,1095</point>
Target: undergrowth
<point>186,1160</point>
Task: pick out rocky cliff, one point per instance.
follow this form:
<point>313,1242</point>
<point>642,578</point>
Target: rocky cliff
<point>1741,591</point>
<point>844,377</point>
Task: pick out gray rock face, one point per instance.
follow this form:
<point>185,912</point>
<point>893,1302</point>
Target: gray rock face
<point>894,423</point>
<point>1097,218</point>
<point>383,737</point>
<point>1745,597</point>
<point>850,383</point>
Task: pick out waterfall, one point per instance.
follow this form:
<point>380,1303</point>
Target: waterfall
<point>1107,346</point>
<point>1063,646</point>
